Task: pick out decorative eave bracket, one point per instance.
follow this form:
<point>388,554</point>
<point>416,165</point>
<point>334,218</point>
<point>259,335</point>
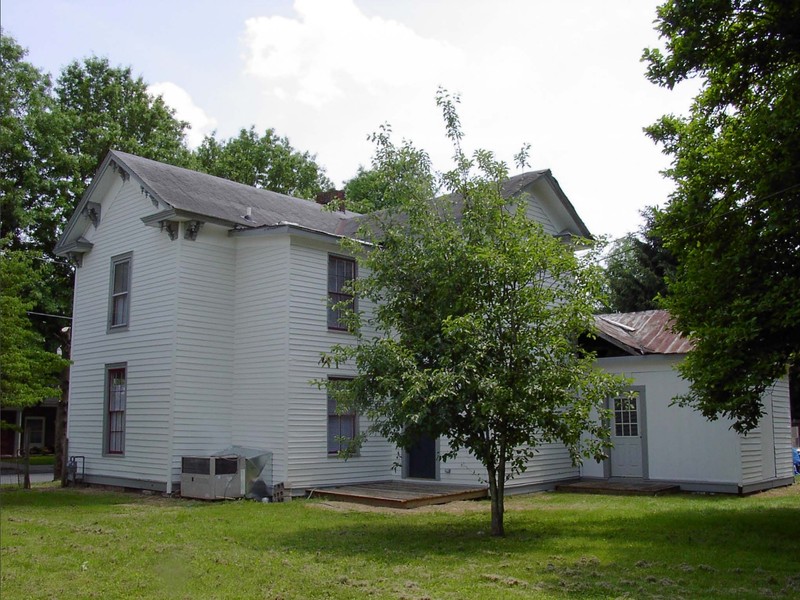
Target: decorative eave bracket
<point>171,227</point>
<point>169,220</point>
<point>119,170</point>
<point>191,229</point>
<point>92,212</point>
<point>74,251</point>
<point>146,193</point>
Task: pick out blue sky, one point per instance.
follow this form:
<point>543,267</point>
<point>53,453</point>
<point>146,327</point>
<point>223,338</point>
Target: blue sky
<point>565,77</point>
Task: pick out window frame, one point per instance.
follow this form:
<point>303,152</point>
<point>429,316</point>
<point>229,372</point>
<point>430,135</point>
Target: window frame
<point>113,295</point>
<point>335,294</point>
<point>114,439</point>
<point>335,417</point>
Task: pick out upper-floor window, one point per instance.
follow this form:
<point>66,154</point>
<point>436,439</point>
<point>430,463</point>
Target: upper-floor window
<point>340,271</point>
<point>119,302</point>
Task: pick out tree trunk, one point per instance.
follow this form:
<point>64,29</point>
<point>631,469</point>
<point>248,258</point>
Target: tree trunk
<point>60,469</point>
<point>496,489</point>
<point>26,463</point>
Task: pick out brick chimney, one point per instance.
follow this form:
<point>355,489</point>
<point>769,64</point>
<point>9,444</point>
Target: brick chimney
<point>336,196</point>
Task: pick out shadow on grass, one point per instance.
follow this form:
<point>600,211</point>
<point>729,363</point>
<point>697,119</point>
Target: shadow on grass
<point>52,495</point>
<point>714,535</point>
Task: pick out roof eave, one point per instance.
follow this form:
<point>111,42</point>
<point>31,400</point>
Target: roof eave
<point>583,231</point>
<point>632,350</point>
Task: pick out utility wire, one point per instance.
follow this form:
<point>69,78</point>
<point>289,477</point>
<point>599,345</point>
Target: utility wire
<point>38,314</point>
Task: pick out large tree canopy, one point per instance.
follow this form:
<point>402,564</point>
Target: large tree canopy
<point>264,161</point>
<point>107,107</point>
<point>476,313</point>
<point>34,166</point>
<point>732,222</point>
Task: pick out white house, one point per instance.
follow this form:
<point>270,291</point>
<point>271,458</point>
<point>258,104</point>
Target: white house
<point>200,313</point>
<point>661,442</point>
<point>201,310</point>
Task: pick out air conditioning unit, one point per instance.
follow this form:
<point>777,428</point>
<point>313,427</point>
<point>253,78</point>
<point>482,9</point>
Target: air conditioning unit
<point>212,477</point>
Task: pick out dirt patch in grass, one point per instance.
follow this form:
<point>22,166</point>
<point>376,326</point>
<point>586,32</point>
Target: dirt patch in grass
<point>512,504</point>
<point>460,507</point>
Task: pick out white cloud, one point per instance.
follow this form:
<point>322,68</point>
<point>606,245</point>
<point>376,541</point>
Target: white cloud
<point>332,50</point>
<point>185,110</point>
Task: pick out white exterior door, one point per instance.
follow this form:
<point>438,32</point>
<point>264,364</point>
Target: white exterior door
<point>626,435</point>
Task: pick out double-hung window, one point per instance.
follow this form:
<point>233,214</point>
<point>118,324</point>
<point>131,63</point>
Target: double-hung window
<point>341,271</point>
<point>341,427</point>
<point>119,301</point>
<point>116,393</point>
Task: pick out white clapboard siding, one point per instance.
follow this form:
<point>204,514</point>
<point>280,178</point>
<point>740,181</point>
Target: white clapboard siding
<point>146,346</point>
<point>679,443</point>
<point>261,351</point>
<point>204,344</point>
<point>782,424</point>
<point>551,463</point>
<point>309,463</point>
<point>766,450</point>
<point>536,211</point>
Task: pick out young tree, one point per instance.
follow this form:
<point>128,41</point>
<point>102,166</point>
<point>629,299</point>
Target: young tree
<point>267,162</point>
<point>476,314</point>
<point>732,221</point>
<point>637,268</point>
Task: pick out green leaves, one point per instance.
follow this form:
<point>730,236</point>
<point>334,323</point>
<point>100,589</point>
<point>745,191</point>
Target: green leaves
<point>732,222</point>
<point>476,311</point>
<point>267,162</point>
<point>637,269</point>
<point>29,373</point>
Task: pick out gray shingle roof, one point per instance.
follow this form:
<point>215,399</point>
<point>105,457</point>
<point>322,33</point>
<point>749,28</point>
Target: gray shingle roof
<point>206,197</point>
<point>225,200</point>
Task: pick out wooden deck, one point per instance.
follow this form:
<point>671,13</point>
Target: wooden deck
<point>401,494</point>
<point>619,488</point>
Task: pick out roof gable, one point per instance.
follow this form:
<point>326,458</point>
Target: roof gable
<point>183,194</point>
<point>176,191</point>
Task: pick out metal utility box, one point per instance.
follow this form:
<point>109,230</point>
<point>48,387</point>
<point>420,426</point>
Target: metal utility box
<point>212,477</point>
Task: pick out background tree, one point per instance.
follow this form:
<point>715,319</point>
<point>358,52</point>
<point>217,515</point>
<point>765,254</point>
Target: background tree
<point>267,162</point>
<point>29,373</point>
<point>52,138</point>
<point>732,221</point>
<point>393,169</point>
<point>34,165</point>
<point>637,268</point>
<point>476,313</point>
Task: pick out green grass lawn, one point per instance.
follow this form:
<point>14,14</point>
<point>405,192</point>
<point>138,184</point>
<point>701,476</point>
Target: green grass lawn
<point>75,543</point>
<point>46,459</point>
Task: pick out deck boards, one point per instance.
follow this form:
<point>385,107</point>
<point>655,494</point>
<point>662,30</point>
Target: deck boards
<point>621,488</point>
<point>401,494</point>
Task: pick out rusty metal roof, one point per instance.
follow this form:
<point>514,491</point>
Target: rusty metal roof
<point>644,332</point>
